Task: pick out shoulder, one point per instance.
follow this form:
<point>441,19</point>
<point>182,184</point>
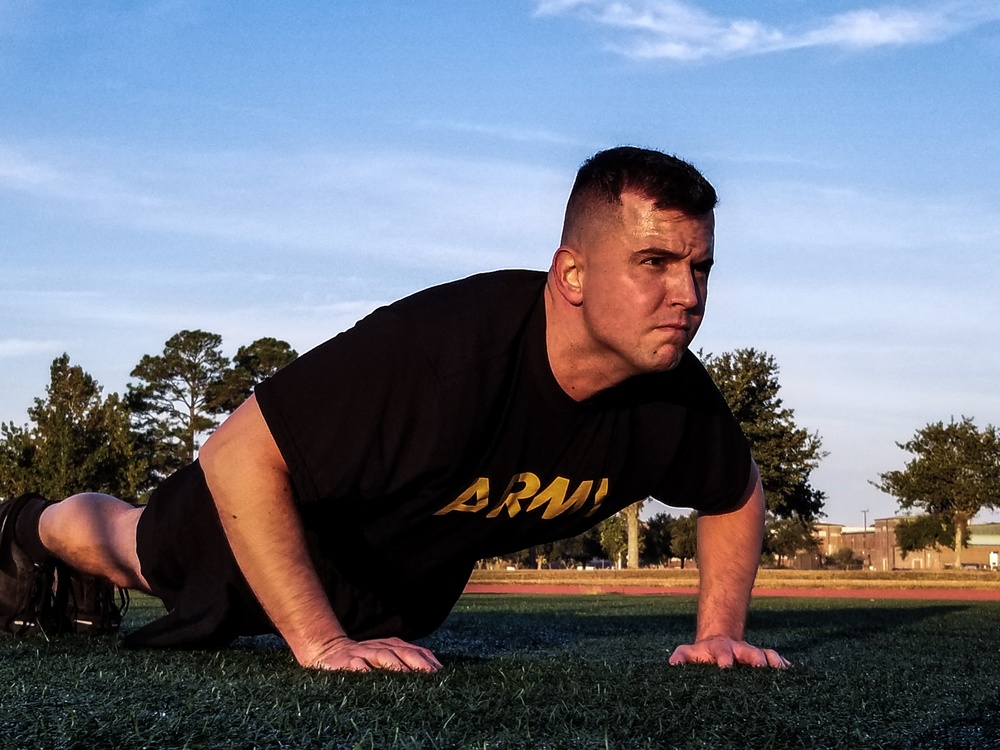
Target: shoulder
<point>488,293</point>
<point>472,319</point>
<point>437,331</point>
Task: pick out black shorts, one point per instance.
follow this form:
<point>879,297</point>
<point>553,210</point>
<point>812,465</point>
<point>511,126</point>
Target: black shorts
<point>186,559</point>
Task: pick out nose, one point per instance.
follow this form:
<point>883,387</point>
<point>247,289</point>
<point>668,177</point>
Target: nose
<point>684,289</point>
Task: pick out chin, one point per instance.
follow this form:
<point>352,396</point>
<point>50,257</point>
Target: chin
<point>664,361</point>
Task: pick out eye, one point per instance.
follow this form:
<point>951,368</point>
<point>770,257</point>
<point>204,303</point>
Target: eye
<point>704,268</point>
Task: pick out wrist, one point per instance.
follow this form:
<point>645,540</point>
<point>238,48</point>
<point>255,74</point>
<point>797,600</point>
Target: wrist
<point>717,636</point>
<point>315,652</point>
<point>732,631</point>
<point>310,629</point>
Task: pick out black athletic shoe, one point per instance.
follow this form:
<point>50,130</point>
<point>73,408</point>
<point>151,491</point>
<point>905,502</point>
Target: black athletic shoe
<point>90,604</point>
<point>27,593</point>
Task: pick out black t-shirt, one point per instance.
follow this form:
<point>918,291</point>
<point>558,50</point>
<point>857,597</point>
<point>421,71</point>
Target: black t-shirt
<point>433,433</point>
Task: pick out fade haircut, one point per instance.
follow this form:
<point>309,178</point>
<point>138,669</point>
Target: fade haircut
<point>671,183</point>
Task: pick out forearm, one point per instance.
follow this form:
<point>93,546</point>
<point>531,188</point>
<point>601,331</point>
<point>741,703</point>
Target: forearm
<point>728,555</point>
<point>253,494</point>
<point>269,545</point>
<point>729,547</point>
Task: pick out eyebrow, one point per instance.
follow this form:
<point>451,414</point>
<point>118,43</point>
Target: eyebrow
<point>661,251</point>
<point>664,252</point>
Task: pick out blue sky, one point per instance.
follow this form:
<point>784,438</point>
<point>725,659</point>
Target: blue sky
<point>264,169</point>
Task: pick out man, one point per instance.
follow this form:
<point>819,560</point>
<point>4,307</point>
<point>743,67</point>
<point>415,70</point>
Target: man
<point>346,502</point>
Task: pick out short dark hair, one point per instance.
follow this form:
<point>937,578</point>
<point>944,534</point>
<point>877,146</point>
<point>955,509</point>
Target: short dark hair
<point>671,183</point>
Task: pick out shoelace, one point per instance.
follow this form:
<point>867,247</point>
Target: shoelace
<point>110,602</point>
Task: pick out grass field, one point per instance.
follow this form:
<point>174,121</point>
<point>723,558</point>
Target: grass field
<point>537,672</point>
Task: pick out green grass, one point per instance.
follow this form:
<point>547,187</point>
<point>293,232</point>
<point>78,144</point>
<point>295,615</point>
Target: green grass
<point>537,672</point>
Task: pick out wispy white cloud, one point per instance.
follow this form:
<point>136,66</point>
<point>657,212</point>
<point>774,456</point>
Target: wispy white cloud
<point>24,347</point>
<point>797,214</point>
<point>422,208</point>
<point>675,30</point>
<point>505,132</point>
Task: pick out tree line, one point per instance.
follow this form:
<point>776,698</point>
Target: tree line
<point>954,472</point>
<point>660,540</point>
<point>78,439</point>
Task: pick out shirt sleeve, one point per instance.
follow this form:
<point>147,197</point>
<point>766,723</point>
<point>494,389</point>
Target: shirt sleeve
<point>711,465</point>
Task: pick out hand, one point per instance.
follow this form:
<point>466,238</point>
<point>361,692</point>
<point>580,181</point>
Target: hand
<point>725,652</point>
<point>394,654</point>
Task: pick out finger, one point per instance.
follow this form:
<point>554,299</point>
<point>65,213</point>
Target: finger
<point>776,660</point>
<point>723,656</point>
<point>341,662</point>
<point>681,655</point>
<point>760,657</point>
<point>354,664</point>
<point>694,653</point>
<point>389,661</point>
<point>381,657</point>
<point>407,658</point>
<point>359,659</point>
<point>420,662</point>
<point>415,657</point>
<point>750,655</point>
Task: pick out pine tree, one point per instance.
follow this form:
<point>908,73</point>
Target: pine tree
<point>175,398</point>
<point>78,441</point>
<point>252,364</point>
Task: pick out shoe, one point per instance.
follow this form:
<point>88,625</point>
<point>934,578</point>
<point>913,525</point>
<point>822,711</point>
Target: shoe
<point>27,589</point>
<point>90,604</point>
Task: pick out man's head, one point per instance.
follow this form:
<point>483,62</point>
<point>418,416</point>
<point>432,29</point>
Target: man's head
<point>670,183</point>
<point>631,274</point>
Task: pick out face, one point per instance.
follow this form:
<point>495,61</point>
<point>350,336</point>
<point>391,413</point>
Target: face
<point>644,282</point>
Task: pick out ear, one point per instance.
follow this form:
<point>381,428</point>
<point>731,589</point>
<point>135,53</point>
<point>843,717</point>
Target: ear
<point>567,274</point>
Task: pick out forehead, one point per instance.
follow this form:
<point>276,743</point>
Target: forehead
<point>641,221</point>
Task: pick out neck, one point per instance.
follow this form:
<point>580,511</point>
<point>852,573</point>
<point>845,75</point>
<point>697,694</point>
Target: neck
<point>579,368</point>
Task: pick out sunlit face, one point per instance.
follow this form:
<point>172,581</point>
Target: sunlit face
<point>644,284</point>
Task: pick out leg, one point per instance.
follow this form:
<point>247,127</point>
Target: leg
<point>95,534</point>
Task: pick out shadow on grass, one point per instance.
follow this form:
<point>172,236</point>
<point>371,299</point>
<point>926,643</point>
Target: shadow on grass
<point>487,627</point>
<point>801,629</point>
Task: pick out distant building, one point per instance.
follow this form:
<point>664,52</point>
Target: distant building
<point>876,547</point>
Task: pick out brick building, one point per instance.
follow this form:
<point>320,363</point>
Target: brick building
<point>876,547</point>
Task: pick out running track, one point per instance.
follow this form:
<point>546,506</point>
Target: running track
<point>963,594</point>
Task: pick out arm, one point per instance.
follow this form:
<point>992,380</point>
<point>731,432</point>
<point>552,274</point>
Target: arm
<point>250,484</point>
<point>729,547</point>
